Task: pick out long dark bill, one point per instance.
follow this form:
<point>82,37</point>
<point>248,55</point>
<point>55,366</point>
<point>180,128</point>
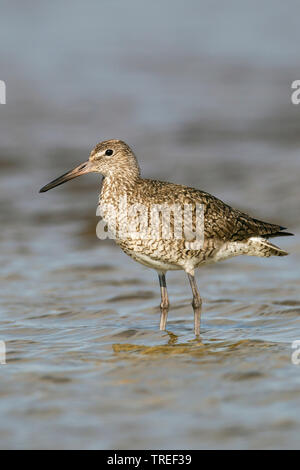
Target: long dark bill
<point>79,170</point>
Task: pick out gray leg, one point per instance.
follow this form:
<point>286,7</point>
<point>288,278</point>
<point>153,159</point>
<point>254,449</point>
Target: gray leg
<point>164,306</point>
<point>197,304</point>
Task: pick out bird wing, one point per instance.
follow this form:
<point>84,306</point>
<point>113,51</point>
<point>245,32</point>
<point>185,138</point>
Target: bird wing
<point>221,221</point>
<point>227,223</point>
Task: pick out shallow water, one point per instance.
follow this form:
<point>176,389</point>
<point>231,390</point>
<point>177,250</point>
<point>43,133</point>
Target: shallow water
<point>87,366</point>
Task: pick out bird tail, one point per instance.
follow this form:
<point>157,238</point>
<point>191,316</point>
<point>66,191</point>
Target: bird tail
<point>257,243</point>
<point>278,234</point>
<point>262,247</point>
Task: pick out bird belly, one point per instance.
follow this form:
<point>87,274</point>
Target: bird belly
<point>150,262</point>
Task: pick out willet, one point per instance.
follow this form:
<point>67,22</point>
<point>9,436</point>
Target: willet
<point>134,209</point>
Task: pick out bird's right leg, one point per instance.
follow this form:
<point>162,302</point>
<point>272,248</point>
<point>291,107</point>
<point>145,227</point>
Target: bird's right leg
<point>197,304</point>
<point>164,305</point>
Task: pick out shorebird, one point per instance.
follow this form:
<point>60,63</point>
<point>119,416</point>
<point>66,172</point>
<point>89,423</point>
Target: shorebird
<point>225,232</point>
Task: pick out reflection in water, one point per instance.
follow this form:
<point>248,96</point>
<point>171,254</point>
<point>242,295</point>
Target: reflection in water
<point>194,348</point>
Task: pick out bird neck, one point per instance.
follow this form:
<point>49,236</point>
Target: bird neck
<point>119,184</point>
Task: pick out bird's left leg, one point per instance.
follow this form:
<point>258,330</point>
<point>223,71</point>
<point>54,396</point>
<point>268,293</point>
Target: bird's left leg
<point>197,304</point>
<point>164,306</point>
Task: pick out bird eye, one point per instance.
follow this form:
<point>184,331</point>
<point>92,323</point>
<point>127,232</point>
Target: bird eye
<point>109,152</point>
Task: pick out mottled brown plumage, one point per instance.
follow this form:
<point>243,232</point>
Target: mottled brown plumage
<point>227,232</point>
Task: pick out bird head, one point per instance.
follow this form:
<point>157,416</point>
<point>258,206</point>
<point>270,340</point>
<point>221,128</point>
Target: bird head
<point>112,158</point>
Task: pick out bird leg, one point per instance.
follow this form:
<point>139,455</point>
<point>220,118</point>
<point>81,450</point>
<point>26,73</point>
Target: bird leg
<point>197,304</point>
<point>164,305</point>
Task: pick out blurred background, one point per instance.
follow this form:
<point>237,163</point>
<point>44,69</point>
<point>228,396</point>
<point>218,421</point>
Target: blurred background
<point>202,93</point>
